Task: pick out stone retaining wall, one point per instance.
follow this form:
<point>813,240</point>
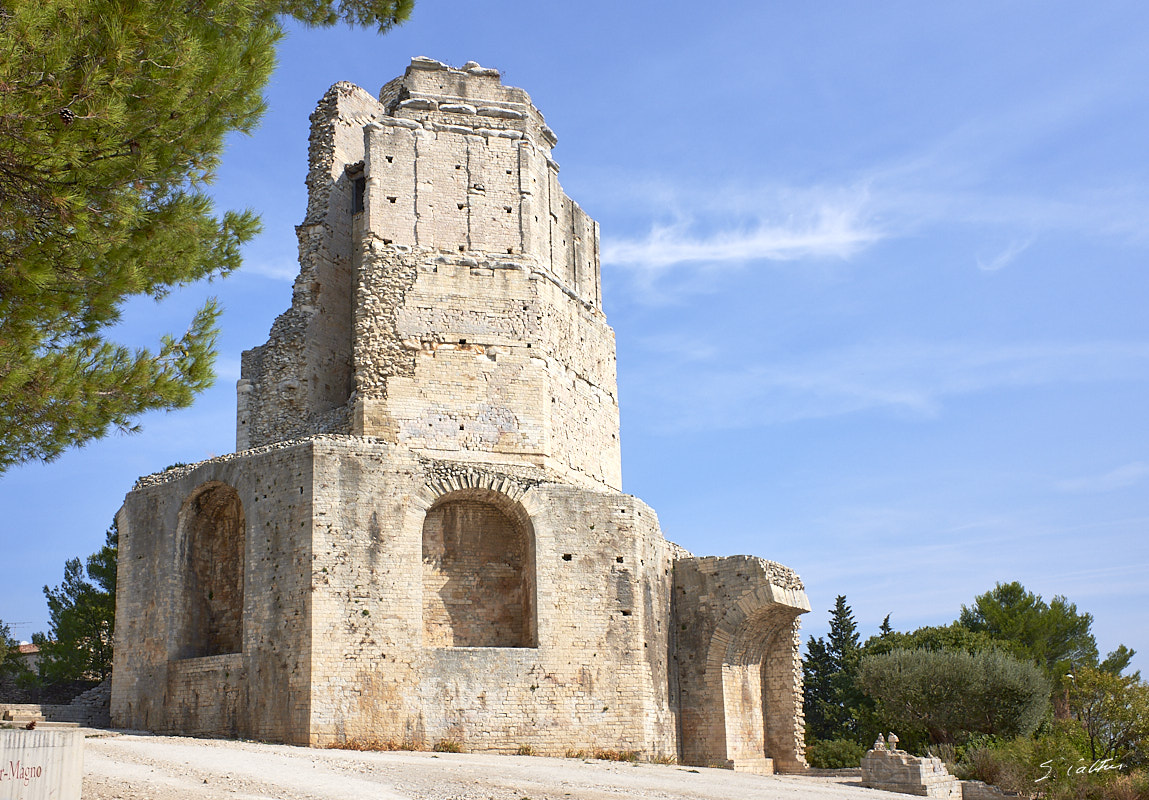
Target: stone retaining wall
<point>90,709</point>
<point>898,771</point>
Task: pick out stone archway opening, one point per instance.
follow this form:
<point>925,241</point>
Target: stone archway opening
<point>757,691</point>
<point>478,572</point>
<point>211,563</point>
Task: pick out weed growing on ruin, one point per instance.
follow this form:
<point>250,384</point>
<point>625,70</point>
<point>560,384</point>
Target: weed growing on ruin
<point>617,755</point>
<point>378,745</point>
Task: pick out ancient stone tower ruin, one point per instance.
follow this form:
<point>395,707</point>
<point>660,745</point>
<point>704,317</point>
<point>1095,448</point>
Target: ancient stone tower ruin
<point>421,536</point>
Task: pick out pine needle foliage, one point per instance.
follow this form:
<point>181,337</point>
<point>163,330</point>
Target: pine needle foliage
<point>113,116</point>
<point>1053,634</point>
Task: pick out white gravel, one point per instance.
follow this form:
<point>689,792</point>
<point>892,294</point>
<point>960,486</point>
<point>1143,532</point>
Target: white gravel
<point>125,766</point>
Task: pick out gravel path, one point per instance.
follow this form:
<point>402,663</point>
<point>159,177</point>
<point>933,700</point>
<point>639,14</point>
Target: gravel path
<point>127,766</point>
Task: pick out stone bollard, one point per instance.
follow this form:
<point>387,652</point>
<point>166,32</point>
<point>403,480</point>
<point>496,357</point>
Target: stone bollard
<point>38,765</point>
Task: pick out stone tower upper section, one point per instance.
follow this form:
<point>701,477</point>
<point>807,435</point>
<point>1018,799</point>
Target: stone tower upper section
<point>460,162</point>
<point>449,295</point>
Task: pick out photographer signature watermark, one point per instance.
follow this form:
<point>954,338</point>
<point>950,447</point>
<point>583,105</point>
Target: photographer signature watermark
<point>1081,768</point>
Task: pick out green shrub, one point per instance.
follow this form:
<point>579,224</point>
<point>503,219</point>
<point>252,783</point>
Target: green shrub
<point>1113,715</point>
<point>835,754</point>
<point>1056,765</point>
<point>947,753</point>
<point>994,766</point>
<point>951,695</point>
<point>1134,786</point>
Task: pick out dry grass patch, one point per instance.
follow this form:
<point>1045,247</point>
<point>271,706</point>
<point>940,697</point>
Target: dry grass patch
<point>378,745</point>
<point>630,756</point>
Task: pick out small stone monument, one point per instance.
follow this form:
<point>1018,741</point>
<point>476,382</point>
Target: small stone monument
<point>892,770</point>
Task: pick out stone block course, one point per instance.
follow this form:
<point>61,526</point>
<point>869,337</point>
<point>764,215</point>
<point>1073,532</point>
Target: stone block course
<point>898,771</point>
<point>977,790</point>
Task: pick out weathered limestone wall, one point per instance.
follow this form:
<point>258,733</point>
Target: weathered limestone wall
<point>594,671</point>
<point>736,652</point>
<point>898,771</point>
<point>300,381</point>
<point>261,689</point>
<point>976,790</point>
<point>478,574</point>
<point>447,162</point>
<point>89,709</point>
<point>463,163</point>
<point>457,355</point>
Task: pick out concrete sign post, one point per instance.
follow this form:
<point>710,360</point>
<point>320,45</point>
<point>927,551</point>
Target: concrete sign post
<point>41,765</point>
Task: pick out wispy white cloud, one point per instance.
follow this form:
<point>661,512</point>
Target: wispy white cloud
<point>1120,576</point>
<point>958,186</point>
<point>831,228</point>
<point>915,379</point>
<point>1119,478</point>
<point>1004,257</point>
<point>972,178</point>
<point>700,229</point>
<point>285,270</point>
<point>682,347</point>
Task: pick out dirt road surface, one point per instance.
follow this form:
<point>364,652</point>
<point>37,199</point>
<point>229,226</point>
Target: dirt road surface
<point>126,766</point>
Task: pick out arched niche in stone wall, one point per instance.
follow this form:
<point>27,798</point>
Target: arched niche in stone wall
<point>209,573</point>
<point>478,571</point>
<point>750,667</point>
<point>748,690</point>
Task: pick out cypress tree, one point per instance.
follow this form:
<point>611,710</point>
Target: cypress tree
<point>832,702</point>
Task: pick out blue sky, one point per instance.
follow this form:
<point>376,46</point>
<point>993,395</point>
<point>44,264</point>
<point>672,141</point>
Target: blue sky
<point>878,275</point>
